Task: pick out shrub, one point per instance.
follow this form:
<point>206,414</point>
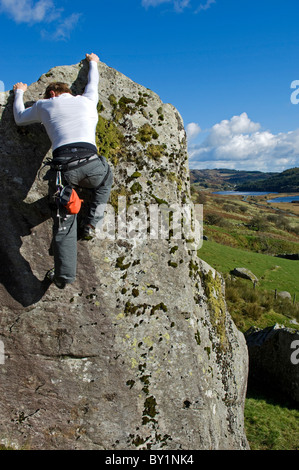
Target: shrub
<point>212,219</point>
<point>282,223</point>
<point>252,310</point>
<point>258,223</point>
<point>229,207</point>
<point>198,196</point>
<point>232,294</point>
<point>272,218</point>
<point>246,302</point>
<point>295,229</point>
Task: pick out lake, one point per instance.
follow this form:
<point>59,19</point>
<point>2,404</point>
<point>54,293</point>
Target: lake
<point>258,193</point>
<point>243,193</point>
<point>285,199</point>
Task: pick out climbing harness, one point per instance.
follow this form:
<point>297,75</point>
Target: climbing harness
<point>71,163</point>
<point>66,196</point>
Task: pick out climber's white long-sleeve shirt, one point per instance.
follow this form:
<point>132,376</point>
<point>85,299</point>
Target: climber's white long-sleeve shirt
<point>67,118</point>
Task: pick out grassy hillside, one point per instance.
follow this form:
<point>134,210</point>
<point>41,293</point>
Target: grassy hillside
<point>258,306</point>
<point>285,182</point>
<point>249,223</point>
<point>225,179</point>
<point>273,273</point>
<point>248,233</point>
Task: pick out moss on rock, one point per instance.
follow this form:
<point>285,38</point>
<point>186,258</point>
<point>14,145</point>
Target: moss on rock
<point>110,140</point>
<point>217,307</point>
<point>155,152</point>
<point>146,133</point>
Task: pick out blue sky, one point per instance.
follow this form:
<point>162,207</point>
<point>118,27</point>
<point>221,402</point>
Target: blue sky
<point>226,65</point>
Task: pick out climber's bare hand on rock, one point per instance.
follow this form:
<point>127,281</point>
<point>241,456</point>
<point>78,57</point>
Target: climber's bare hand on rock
<point>20,86</point>
<point>93,57</point>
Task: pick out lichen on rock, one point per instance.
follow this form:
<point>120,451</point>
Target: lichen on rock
<point>140,352</point>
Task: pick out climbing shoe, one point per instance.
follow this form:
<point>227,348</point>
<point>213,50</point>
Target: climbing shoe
<point>50,276</point>
<point>89,232</point>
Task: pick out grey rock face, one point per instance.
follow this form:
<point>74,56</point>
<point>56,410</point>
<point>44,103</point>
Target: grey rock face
<point>140,352</point>
<point>274,358</point>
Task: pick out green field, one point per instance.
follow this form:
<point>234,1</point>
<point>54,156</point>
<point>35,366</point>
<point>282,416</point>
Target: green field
<point>268,419</point>
<point>273,273</point>
<point>247,234</point>
<point>271,423</point>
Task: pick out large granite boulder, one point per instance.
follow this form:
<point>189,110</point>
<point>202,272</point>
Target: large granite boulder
<point>244,273</point>
<point>274,359</point>
<point>140,352</point>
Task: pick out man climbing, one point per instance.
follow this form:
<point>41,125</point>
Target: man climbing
<point>70,122</point>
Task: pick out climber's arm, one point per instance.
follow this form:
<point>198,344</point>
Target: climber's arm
<point>91,89</point>
<point>23,116</point>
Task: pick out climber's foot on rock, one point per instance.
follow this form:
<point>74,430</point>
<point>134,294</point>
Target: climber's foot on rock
<point>50,276</point>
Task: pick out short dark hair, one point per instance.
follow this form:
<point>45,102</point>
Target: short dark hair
<point>57,87</point>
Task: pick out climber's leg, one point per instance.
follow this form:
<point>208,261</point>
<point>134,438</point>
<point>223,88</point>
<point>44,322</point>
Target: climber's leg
<point>64,242</point>
<point>65,248</point>
<point>99,201</point>
<point>97,177</point>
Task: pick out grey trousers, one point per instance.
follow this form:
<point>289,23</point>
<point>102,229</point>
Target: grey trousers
<point>92,176</point>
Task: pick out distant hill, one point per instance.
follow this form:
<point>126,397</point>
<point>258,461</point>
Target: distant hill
<point>285,182</point>
<point>226,179</point>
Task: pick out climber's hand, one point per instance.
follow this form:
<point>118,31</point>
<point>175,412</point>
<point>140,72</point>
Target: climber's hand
<point>92,57</point>
<point>20,86</point>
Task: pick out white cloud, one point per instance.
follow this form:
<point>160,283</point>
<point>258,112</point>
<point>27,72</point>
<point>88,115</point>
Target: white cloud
<point>179,5</point>
<point>64,29</point>
<point>153,3</point>
<point>41,11</point>
<point>27,11</point>
<point>227,129</point>
<point>240,143</point>
<point>192,130</point>
<point>205,6</point>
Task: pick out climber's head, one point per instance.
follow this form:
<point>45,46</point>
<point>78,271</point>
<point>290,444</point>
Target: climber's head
<point>55,89</point>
